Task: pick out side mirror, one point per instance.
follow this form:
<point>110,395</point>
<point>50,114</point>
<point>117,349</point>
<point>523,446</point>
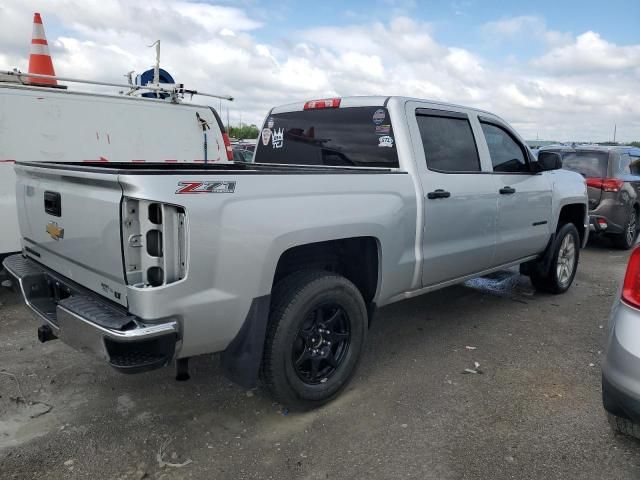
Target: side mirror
<point>549,161</point>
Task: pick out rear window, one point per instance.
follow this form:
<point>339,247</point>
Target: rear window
<point>448,144</point>
<point>344,137</point>
<point>589,164</point>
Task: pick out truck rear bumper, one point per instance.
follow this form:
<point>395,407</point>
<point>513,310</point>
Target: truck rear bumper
<point>89,323</point>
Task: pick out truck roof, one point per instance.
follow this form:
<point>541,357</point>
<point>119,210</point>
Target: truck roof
<point>373,101</point>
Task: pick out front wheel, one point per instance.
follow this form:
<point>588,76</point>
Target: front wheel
<point>564,262</point>
<point>317,330</point>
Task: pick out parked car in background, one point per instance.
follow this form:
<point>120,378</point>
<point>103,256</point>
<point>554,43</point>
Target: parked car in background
<point>621,367</point>
<point>352,204</point>
<point>612,175</point>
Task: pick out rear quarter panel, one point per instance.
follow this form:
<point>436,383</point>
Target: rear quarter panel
<point>236,240</point>
<point>567,188</point>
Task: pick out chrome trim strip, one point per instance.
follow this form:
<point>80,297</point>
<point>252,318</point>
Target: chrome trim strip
<point>143,332</point>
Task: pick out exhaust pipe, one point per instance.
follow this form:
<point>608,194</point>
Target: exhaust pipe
<point>45,334</point>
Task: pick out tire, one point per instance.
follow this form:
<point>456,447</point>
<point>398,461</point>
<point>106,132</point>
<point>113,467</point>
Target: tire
<point>316,334</point>
<point>624,426</point>
<point>555,279</point>
<point>627,238</point>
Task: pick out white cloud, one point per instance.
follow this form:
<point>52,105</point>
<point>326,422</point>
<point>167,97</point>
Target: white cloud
<point>576,90</point>
<point>523,29</point>
<point>590,53</point>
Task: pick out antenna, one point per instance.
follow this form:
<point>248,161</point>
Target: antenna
<point>156,67</point>
<point>615,128</point>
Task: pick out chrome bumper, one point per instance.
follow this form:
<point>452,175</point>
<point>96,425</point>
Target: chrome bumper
<point>89,323</point>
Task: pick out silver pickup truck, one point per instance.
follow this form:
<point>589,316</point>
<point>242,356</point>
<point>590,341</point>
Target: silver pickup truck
<point>353,203</point>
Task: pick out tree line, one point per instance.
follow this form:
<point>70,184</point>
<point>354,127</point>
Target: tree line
<point>243,132</point>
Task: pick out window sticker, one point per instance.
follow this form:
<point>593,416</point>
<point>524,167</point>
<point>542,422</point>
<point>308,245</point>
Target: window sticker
<point>270,123</point>
<point>383,129</point>
<point>385,141</point>
<point>277,140</point>
<point>266,136</point>
<point>379,116</point>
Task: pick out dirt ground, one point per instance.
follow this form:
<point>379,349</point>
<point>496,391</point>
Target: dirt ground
<point>410,412</point>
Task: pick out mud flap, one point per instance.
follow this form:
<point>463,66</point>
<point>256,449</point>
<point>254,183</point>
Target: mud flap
<point>241,360</point>
<point>543,263</point>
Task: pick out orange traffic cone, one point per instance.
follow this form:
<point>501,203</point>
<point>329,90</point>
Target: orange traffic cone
<point>40,59</point>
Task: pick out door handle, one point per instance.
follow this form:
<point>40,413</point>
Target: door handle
<point>507,190</point>
<point>439,193</point>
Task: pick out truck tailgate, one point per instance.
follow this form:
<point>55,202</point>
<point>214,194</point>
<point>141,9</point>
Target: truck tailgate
<point>70,222</point>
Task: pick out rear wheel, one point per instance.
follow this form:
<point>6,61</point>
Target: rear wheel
<point>627,238</point>
<point>564,262</point>
<point>317,330</point>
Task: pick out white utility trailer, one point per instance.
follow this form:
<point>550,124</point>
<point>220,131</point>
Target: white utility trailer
<point>53,124</point>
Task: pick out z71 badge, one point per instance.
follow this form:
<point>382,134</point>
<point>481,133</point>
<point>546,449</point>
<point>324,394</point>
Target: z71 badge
<point>206,187</point>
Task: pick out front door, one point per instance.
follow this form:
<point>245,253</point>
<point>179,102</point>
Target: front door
<point>459,200</point>
<point>524,197</point>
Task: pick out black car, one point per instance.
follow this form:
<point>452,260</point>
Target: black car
<point>612,174</point>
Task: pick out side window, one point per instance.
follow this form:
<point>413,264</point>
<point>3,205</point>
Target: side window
<point>507,155</point>
<point>448,143</point>
<point>634,166</point>
<point>625,164</point>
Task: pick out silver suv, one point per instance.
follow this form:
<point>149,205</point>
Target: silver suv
<point>613,183</point>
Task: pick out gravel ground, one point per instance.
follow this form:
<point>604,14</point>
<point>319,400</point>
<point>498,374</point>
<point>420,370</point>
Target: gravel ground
<point>410,412</point>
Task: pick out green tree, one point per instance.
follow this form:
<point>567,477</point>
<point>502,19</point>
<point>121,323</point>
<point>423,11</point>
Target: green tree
<point>635,144</point>
<point>244,132</point>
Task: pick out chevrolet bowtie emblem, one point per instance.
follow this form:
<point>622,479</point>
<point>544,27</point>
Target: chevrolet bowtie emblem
<point>55,231</point>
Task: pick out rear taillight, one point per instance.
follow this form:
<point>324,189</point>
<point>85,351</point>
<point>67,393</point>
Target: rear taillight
<point>154,240</point>
<point>605,184</point>
<point>227,146</point>
<point>323,103</point>
<point>631,287</point>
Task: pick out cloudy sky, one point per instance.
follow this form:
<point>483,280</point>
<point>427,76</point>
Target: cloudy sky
<point>555,69</point>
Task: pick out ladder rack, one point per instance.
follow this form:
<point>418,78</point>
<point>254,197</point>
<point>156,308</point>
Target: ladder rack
<point>175,91</point>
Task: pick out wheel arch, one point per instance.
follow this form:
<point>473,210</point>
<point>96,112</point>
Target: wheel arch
<point>356,258</point>
<point>575,213</point>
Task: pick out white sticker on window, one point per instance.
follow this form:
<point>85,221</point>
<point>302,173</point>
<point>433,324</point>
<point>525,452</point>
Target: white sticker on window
<point>266,136</point>
<point>385,141</point>
<point>278,138</point>
<point>379,116</point>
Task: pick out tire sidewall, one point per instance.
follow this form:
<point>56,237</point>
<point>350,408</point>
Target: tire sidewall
<point>330,289</point>
<point>624,241</point>
<point>567,229</point>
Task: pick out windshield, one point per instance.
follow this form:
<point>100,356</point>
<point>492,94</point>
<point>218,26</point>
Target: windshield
<point>589,164</point>
<point>345,137</point>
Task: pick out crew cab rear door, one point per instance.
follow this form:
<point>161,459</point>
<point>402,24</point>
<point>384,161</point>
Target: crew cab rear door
<point>459,199</point>
<point>70,222</point>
